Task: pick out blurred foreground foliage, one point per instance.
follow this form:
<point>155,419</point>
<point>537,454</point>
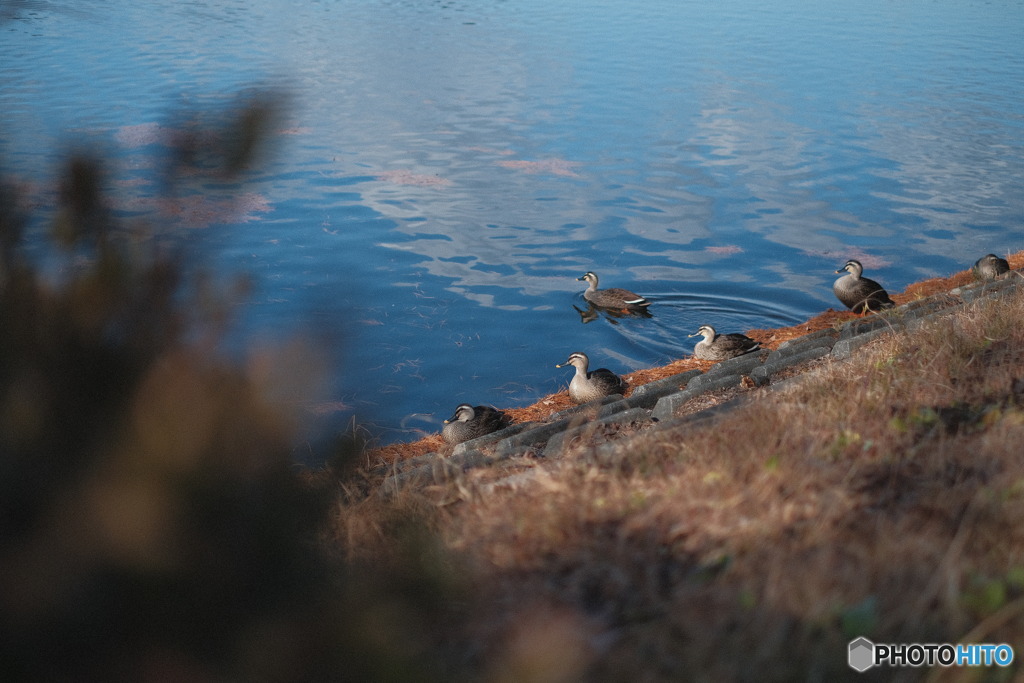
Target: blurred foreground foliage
<point>152,523</point>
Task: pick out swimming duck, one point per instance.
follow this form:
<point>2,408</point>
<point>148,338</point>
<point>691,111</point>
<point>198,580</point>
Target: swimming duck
<point>613,297</point>
<point>716,346</point>
<point>469,422</point>
<point>989,267</point>
<point>587,386</point>
<point>860,294</point>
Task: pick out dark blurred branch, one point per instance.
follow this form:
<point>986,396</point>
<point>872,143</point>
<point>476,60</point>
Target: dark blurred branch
<point>226,144</point>
<point>152,524</point>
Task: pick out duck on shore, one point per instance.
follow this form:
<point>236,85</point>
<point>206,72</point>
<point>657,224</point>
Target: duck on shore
<point>858,293</point>
<point>469,422</point>
<point>989,267</point>
<point>716,346</point>
<point>594,384</point>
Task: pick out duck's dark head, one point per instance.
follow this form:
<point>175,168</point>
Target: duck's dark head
<point>853,267</point>
<point>706,331</point>
<point>463,413</point>
<point>577,359</point>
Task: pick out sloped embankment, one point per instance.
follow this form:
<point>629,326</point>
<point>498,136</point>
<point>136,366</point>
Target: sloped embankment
<point>860,480</point>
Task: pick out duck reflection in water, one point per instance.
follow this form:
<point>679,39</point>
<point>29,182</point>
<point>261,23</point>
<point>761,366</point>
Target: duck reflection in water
<point>593,312</point>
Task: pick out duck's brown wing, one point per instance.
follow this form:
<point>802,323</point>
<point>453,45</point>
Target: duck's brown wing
<point>608,381</point>
<point>737,343</point>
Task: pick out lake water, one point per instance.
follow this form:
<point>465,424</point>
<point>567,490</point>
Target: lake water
<point>449,168</point>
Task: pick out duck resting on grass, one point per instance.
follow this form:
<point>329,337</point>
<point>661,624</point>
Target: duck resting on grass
<point>614,298</point>
<point>588,386</point>
<point>989,267</point>
<point>860,294</point>
<point>716,346</point>
<point>470,422</point>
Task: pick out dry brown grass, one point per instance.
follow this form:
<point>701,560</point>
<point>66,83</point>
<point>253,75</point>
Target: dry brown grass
<point>880,497</point>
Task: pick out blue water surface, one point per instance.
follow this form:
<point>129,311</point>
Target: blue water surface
<point>448,169</point>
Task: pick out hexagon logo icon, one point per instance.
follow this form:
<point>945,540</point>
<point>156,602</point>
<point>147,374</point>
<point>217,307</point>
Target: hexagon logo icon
<point>862,654</point>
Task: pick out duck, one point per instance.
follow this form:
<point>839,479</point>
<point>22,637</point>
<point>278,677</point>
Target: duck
<point>716,346</point>
<point>860,294</point>
<point>469,422</point>
<point>588,386</point>
<point>613,297</point>
<point>989,267</point>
